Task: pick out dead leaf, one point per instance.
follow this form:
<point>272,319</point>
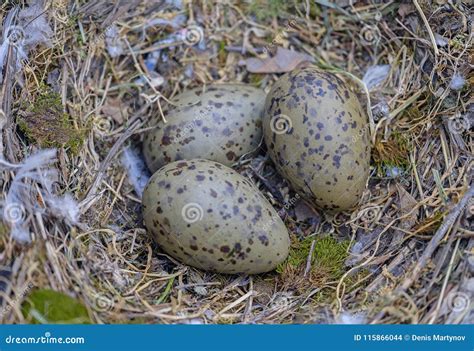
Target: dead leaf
<point>284,61</point>
<point>407,203</point>
<point>405,9</point>
<point>304,212</point>
<point>115,109</point>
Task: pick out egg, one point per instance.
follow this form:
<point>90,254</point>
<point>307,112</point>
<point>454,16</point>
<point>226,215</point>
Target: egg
<point>317,134</point>
<point>208,216</point>
<point>220,123</point>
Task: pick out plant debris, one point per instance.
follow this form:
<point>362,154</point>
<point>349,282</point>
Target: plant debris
<point>85,78</point>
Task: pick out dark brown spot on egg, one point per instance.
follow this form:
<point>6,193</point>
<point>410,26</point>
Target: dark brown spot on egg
<point>263,239</point>
<point>231,155</point>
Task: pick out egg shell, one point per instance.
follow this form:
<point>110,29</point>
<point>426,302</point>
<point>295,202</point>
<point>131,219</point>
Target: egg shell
<point>317,134</point>
<point>208,216</point>
<point>221,123</point>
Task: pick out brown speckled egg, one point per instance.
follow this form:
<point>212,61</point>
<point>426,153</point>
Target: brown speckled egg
<point>208,216</point>
<point>317,134</point>
<point>220,123</point>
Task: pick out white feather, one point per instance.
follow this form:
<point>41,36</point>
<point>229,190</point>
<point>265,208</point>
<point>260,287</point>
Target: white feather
<point>138,174</point>
<point>375,75</point>
<point>20,203</point>
<point>32,24</point>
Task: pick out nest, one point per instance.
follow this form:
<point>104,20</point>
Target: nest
<point>81,80</point>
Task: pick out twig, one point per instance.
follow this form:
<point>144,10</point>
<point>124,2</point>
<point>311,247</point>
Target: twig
<point>235,303</point>
<point>433,244</point>
<point>445,283</point>
<point>428,28</point>
<point>308,260</point>
<point>134,126</point>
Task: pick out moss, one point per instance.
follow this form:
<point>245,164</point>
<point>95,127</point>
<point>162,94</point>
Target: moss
<point>330,255</point>
<point>327,259</point>
<point>49,306</point>
<point>392,153</point>
<point>46,124</point>
<point>262,9</point>
<point>459,41</point>
<point>327,267</point>
<point>430,224</point>
<point>255,79</point>
<point>299,251</point>
<point>413,113</point>
<point>222,52</point>
<point>47,100</point>
<point>314,10</point>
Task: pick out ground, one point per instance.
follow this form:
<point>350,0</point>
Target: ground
<point>87,77</point>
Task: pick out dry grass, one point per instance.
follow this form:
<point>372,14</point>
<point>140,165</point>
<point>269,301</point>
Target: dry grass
<point>407,250</point>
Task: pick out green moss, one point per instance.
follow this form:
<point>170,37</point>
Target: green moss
<point>222,51</point>
<point>392,153</point>
<point>327,268</point>
<point>47,125</point>
<point>262,9</point>
<point>49,306</point>
<point>255,79</point>
<point>299,251</point>
<point>327,259</point>
<point>459,41</point>
<point>330,255</point>
<point>47,100</point>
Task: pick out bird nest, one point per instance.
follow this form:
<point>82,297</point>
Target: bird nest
<point>81,80</point>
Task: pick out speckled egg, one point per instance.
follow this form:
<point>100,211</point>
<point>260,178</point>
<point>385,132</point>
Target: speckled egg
<point>208,216</point>
<point>220,123</point>
<point>317,134</point>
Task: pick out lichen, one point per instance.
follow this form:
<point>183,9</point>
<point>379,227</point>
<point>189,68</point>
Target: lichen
<point>45,124</point>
